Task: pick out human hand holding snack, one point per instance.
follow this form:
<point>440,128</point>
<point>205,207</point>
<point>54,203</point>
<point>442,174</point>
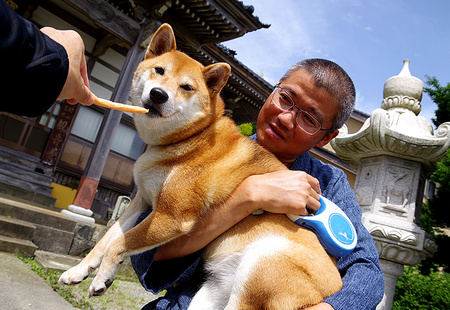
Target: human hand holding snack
<point>76,88</point>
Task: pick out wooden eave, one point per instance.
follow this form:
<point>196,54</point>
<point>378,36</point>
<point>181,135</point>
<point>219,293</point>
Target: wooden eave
<point>197,22</point>
<point>198,26</point>
<point>203,22</point>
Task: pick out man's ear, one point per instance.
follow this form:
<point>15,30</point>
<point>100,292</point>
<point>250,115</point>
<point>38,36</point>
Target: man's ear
<point>325,140</point>
<point>216,76</point>
<point>163,41</point>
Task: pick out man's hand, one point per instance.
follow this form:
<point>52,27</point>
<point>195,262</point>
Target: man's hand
<point>321,306</point>
<point>76,88</point>
<point>285,191</point>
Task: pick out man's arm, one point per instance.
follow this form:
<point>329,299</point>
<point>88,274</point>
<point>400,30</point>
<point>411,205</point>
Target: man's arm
<point>278,192</point>
<point>38,69</point>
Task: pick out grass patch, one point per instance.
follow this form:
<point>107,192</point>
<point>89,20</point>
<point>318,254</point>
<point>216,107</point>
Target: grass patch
<point>121,294</point>
<point>51,277</point>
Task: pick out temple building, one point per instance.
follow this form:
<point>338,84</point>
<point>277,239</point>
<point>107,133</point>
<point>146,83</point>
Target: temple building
<point>67,143</point>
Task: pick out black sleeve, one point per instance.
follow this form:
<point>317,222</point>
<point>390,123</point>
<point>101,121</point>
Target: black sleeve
<point>33,66</point>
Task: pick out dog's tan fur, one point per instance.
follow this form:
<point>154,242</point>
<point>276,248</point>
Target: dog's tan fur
<point>194,161</point>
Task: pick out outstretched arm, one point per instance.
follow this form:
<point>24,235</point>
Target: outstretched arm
<point>48,66</point>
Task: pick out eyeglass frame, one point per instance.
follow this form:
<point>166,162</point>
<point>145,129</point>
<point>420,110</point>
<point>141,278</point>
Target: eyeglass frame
<point>299,110</point>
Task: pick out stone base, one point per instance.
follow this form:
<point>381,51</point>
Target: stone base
<point>391,271</point>
<point>79,214</point>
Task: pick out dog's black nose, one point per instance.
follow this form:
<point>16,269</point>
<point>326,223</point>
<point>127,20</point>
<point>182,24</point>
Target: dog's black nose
<point>158,95</point>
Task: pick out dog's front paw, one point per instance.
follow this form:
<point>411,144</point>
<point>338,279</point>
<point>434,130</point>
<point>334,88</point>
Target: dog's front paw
<point>75,274</point>
<point>99,286</point>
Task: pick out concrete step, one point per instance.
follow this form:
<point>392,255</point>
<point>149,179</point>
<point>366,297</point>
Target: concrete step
<point>24,248</point>
<point>24,161</point>
<point>21,173</point>
<point>54,231</point>
<point>56,261</point>
<point>29,180</point>
<point>15,228</point>
<point>26,194</point>
<point>35,215</point>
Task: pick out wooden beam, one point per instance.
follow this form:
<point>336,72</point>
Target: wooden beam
<point>109,18</point>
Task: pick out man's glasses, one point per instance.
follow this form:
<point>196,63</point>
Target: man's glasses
<point>306,121</point>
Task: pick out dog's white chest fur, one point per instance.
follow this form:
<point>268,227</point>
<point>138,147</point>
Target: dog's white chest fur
<point>151,177</point>
<point>228,274</point>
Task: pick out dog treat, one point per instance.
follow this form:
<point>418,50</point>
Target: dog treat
<point>119,106</point>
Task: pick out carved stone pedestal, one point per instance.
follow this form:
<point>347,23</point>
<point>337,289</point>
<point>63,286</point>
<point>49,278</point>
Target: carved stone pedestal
<point>394,152</point>
<point>387,189</point>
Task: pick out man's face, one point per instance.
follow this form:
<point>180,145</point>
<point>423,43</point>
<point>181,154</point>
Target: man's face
<point>278,131</point>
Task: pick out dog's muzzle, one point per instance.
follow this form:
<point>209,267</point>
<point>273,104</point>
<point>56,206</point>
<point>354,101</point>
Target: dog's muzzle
<point>157,98</point>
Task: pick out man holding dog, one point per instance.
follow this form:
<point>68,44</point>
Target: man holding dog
<point>312,101</point>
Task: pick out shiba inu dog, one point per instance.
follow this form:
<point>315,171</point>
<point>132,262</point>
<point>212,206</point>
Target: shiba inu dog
<point>194,161</point>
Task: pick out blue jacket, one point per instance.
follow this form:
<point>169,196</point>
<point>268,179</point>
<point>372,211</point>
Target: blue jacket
<point>361,273</point>
<point>34,67</point>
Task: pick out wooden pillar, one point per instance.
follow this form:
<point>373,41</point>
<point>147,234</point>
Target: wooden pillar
<point>100,151</point>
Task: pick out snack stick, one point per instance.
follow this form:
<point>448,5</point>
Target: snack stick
<point>119,106</point>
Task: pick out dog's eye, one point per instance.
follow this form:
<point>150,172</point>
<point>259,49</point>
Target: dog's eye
<point>159,70</point>
<point>187,87</point>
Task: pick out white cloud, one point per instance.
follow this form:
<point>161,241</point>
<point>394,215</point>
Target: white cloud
<point>290,38</point>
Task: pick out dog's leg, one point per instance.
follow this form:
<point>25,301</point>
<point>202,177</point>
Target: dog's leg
<point>128,219</point>
<point>158,228</point>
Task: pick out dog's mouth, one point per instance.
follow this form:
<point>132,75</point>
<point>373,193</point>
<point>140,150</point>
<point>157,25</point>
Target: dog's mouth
<point>152,111</point>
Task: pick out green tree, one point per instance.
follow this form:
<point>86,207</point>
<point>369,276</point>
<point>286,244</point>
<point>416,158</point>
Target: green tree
<point>435,212</point>
<point>247,129</point>
<point>441,96</point>
<point>425,292</point>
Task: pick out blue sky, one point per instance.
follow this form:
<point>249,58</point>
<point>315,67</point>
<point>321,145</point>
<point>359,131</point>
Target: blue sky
<point>369,39</point>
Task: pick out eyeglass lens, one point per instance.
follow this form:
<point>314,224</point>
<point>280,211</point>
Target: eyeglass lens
<point>305,120</point>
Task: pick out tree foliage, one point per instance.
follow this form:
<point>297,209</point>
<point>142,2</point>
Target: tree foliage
<point>436,213</point>
<point>441,96</point>
<point>247,129</point>
<point>424,292</point>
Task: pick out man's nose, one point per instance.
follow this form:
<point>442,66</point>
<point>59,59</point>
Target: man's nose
<point>287,119</point>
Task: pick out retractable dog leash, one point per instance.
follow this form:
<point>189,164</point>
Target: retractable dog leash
<point>332,226</point>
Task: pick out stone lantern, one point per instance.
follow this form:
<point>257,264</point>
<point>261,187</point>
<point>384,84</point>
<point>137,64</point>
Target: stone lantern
<point>394,152</point>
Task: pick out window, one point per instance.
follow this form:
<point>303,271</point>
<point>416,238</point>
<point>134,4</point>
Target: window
<point>87,123</point>
<point>127,142</point>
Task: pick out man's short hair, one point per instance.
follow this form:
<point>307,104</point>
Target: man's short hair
<point>335,80</point>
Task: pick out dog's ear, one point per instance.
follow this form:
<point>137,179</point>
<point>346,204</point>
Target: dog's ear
<point>216,76</point>
<point>163,41</point>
